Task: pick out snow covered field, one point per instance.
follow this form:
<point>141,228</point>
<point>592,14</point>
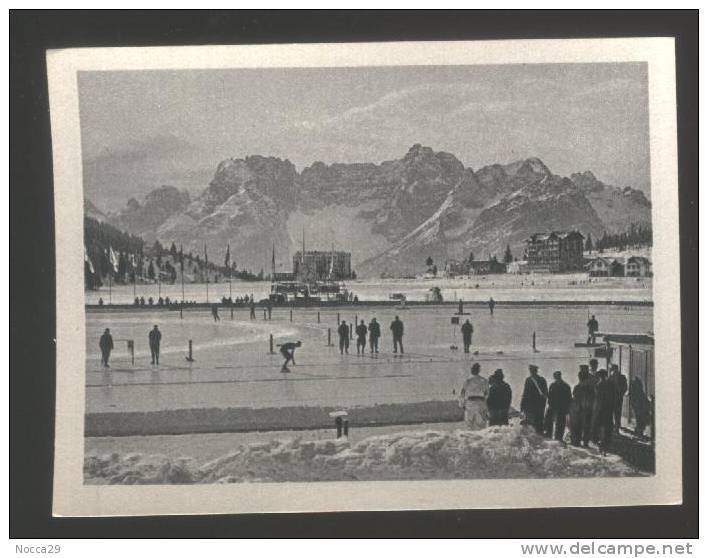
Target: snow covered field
<point>502,287</point>
<point>493,453</point>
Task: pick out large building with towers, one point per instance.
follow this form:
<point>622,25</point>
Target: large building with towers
<point>317,265</point>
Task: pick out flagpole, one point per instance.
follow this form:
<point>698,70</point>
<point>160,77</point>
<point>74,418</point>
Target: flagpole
<point>206,269</point>
<point>227,265</point>
<point>181,263</point>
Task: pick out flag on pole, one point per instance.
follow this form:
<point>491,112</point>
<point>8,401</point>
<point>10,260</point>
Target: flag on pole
<point>227,259</point>
<point>141,263</point>
<point>88,261</point>
<point>206,263</point>
<point>112,259</point>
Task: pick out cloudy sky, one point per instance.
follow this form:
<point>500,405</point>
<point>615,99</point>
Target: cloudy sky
<point>144,129</point>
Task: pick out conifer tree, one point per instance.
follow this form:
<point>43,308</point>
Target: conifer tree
<point>508,256</point>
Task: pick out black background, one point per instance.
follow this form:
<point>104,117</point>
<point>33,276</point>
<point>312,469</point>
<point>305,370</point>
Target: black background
<point>32,310</point>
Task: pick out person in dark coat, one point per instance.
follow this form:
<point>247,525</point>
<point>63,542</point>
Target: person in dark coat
<point>288,351</point>
<point>603,409</point>
<point>498,399</point>
<point>641,406</point>
<point>361,331</point>
<point>397,331</point>
<point>559,398</point>
<point>215,312</point>
<point>581,408</point>
<point>154,338</point>
<point>467,331</point>
<point>492,304</point>
<point>343,331</point>
<point>593,328</point>
<point>533,400</point>
<point>575,415</point>
<point>105,343</point>
<point>253,309</point>
<point>374,334</point>
<point>619,381</point>
<point>594,379</point>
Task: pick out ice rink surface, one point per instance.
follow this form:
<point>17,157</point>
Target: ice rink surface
<point>233,368</point>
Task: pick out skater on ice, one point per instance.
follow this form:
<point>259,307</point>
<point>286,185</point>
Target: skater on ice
<point>154,338</point>
<point>106,346</point>
<point>593,328</point>
<point>397,331</point>
<point>343,331</point>
<point>361,331</point>
<point>467,330</point>
<point>374,334</point>
<point>288,352</point>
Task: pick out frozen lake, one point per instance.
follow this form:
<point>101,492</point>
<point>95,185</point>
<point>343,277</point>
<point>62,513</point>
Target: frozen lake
<point>479,288</point>
<point>233,368</point>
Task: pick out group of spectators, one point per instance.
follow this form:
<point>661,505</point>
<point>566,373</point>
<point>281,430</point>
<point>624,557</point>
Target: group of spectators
<point>238,300</point>
<point>166,301</point>
<point>105,343</point>
<point>374,333</point>
<point>592,409</point>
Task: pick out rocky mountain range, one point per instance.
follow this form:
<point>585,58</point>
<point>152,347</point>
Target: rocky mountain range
<point>391,216</point>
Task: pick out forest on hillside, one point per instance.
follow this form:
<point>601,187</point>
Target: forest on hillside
<point>112,255</point>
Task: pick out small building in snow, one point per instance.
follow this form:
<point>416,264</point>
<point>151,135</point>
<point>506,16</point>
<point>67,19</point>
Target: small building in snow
<point>638,266</point>
<point>517,267</point>
<point>486,267</point>
<point>605,267</point>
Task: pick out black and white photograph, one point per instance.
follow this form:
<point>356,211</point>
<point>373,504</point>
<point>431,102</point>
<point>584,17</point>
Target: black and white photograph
<point>431,267</point>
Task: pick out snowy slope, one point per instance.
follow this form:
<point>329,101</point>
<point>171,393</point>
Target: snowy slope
<point>497,452</point>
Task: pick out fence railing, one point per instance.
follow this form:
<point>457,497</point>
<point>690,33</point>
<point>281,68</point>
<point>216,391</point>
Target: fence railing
<point>637,364</point>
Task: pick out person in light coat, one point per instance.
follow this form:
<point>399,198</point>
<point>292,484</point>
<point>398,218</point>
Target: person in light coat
<point>473,399</point>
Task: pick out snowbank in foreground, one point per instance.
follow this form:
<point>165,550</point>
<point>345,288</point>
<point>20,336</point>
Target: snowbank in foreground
<point>498,452</point>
